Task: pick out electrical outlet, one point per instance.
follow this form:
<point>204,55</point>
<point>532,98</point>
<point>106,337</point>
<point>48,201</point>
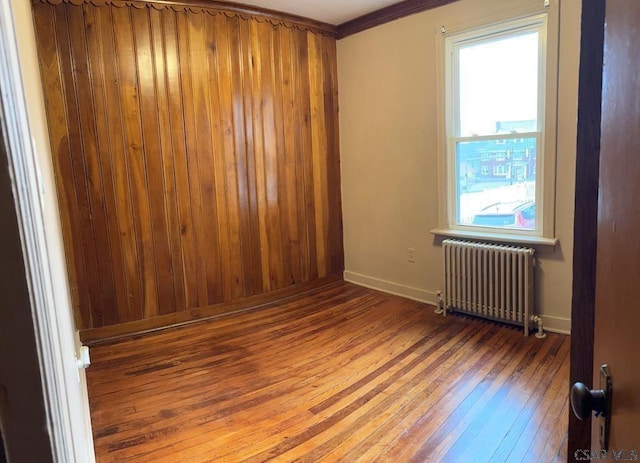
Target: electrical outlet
<point>411,255</point>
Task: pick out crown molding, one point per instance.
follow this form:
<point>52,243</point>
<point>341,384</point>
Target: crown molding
<point>387,14</point>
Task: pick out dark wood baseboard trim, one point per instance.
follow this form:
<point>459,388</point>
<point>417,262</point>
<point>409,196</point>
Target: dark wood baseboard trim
<point>117,332</point>
<point>388,14</point>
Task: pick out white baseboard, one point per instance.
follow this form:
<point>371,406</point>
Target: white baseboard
<point>556,324</point>
<point>551,324</point>
<point>390,287</point>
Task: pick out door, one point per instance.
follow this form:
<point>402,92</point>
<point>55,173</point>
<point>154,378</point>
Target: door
<point>617,304</point>
<point>616,326</point>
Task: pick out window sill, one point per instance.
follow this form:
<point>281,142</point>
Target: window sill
<point>539,241</point>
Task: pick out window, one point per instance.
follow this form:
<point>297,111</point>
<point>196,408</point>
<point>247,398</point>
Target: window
<point>495,84</point>
<point>500,170</point>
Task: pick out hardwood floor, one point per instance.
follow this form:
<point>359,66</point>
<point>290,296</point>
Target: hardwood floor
<point>343,374</point>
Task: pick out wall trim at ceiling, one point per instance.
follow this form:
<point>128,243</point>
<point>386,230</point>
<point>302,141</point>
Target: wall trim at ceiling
<point>213,7</point>
<point>388,14</point>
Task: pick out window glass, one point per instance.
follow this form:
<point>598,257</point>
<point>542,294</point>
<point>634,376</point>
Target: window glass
<point>499,86</point>
<point>496,179</point>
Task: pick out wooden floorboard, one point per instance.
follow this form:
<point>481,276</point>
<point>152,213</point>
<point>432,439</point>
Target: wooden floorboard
<point>342,374</point>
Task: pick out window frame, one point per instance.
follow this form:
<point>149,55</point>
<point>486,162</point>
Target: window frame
<point>545,19</point>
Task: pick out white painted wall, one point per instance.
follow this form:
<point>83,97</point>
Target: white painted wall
<point>388,140</point>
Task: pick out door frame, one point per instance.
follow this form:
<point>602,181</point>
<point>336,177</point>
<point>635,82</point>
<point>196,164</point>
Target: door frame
<point>586,211</point>
<point>44,409</point>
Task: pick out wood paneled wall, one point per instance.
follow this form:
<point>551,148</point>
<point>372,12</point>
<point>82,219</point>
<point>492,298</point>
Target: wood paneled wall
<point>196,155</point>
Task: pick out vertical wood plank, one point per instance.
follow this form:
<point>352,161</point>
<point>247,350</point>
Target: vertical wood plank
<point>163,31</point>
<point>204,168</point>
<point>105,206</point>
<point>242,137</point>
<point>218,162</point>
<point>227,155</point>
<point>135,155</point>
<point>150,163</point>
<point>77,173</point>
<point>89,163</point>
<point>288,174</point>
<point>188,259</point>
<point>333,194</point>
<point>191,153</point>
<point>310,263</point>
<point>53,86</point>
<point>282,207</point>
<point>261,100</point>
<point>272,151</point>
<point>115,156</point>
<point>254,144</point>
<point>318,149</point>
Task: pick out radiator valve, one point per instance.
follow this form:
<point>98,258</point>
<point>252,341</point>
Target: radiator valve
<point>440,308</point>
<point>537,319</point>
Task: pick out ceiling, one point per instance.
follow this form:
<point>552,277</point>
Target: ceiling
<point>329,11</point>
